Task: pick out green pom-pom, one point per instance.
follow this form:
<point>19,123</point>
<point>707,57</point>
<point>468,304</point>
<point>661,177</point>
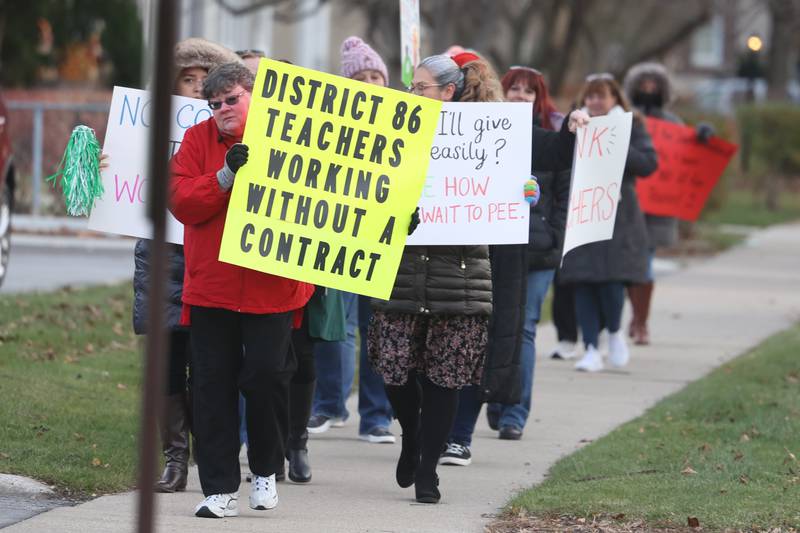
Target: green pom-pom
<point>80,172</point>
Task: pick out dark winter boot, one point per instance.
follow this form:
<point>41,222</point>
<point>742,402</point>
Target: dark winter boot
<point>406,402</point>
<point>635,297</point>
<point>439,406</point>
<point>175,444</point>
<point>642,337</point>
<point>301,396</point>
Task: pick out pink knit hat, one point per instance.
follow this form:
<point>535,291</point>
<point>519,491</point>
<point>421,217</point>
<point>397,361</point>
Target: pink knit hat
<point>357,56</point>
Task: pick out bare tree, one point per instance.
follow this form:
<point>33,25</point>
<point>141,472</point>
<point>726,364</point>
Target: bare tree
<point>564,38</point>
<point>783,45</point>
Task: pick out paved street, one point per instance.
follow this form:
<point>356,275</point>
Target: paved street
<point>43,263</point>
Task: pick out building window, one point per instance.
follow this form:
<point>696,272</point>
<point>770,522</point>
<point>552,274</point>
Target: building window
<point>708,44</point>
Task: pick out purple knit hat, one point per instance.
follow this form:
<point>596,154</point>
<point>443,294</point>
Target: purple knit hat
<point>357,56</point>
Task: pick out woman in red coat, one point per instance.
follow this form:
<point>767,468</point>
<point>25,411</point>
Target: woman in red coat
<point>233,310</point>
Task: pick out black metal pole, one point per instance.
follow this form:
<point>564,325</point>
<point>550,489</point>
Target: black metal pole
<point>155,358</point>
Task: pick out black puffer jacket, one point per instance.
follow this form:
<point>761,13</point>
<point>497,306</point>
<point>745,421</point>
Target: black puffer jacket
<point>141,285</point>
<point>624,257</point>
<point>510,264</point>
<point>441,280</point>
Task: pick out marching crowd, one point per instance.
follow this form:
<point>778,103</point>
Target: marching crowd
<point>261,361</point>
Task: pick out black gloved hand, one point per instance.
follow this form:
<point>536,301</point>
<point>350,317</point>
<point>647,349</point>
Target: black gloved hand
<point>704,132</point>
<point>236,157</point>
<point>414,221</point>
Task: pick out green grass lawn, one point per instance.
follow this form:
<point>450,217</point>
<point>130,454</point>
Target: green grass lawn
<point>743,207</point>
<point>70,371</point>
<point>724,450</point>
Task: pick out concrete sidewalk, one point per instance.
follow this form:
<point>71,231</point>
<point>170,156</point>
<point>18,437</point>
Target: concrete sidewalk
<point>704,315</point>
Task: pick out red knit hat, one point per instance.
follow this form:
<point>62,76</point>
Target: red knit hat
<point>464,57</point>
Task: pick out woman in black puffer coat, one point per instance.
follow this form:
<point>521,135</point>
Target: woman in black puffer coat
<point>430,338</point>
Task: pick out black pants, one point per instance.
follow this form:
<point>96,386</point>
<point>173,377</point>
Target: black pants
<point>303,348</point>
<point>179,358</point>
<point>234,352</point>
<point>564,318</point>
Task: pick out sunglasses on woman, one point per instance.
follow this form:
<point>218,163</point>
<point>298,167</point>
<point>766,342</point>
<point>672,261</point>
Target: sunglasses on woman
<point>230,100</point>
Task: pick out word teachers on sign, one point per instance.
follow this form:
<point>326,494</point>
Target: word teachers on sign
<point>480,160</point>
<point>333,177</point>
<point>601,149</point>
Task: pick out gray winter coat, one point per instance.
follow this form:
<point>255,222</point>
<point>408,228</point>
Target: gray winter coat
<point>441,280</point>
<point>624,257</point>
<point>141,286</point>
<point>662,231</point>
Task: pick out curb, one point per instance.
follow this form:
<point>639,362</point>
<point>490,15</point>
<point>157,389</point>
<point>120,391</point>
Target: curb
<point>59,242</point>
<point>18,485</point>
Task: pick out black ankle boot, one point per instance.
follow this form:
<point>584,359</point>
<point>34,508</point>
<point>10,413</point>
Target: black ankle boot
<point>409,460</point>
<point>301,396</point>
<point>426,488</point>
<point>299,468</point>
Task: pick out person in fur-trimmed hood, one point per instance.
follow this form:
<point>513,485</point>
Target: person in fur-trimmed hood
<point>194,58</point>
<point>649,88</point>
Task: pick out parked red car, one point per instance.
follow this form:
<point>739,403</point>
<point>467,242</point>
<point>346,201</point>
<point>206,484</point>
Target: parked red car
<point>7,183</point>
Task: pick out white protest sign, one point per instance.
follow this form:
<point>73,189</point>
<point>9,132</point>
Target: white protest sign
<point>601,149</point>
<point>480,160</point>
<point>123,209</point>
<point>409,39</point>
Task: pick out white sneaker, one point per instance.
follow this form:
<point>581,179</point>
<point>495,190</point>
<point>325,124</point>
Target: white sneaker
<point>602,343</point>
<point>618,353</point>
<point>565,350</point>
<point>592,361</point>
<point>263,494</point>
<point>218,506</point>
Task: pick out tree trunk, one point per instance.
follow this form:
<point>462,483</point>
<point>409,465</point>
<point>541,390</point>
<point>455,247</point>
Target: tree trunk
<point>782,19</point>
<point>560,67</point>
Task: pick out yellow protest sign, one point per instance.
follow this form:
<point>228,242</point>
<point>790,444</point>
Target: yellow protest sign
<point>335,170</point>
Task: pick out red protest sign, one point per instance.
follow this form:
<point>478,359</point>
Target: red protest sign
<point>687,171</point>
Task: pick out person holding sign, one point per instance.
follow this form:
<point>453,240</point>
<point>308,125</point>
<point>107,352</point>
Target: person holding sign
<point>650,90</point>
<point>546,234</point>
<point>233,311</point>
<point>193,59</point>
<point>429,339</point>
<point>520,279</point>
<point>601,269</point>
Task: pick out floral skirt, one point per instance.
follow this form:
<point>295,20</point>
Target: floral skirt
<point>448,350</point>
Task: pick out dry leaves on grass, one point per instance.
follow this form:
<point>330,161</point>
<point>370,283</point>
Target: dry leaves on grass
<point>520,522</point>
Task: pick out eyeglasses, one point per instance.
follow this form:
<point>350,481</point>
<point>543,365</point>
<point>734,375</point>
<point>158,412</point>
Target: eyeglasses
<point>419,88</point>
<point>600,76</point>
<point>230,100</point>
<point>528,69</point>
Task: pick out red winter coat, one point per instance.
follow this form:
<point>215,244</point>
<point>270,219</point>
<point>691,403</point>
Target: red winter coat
<point>198,202</point>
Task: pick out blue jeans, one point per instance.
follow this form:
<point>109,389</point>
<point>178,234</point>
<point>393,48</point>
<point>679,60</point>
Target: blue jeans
<point>374,410</point>
<point>598,305</point>
<point>469,407</point>
<point>336,365</point>
<point>517,414</point>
